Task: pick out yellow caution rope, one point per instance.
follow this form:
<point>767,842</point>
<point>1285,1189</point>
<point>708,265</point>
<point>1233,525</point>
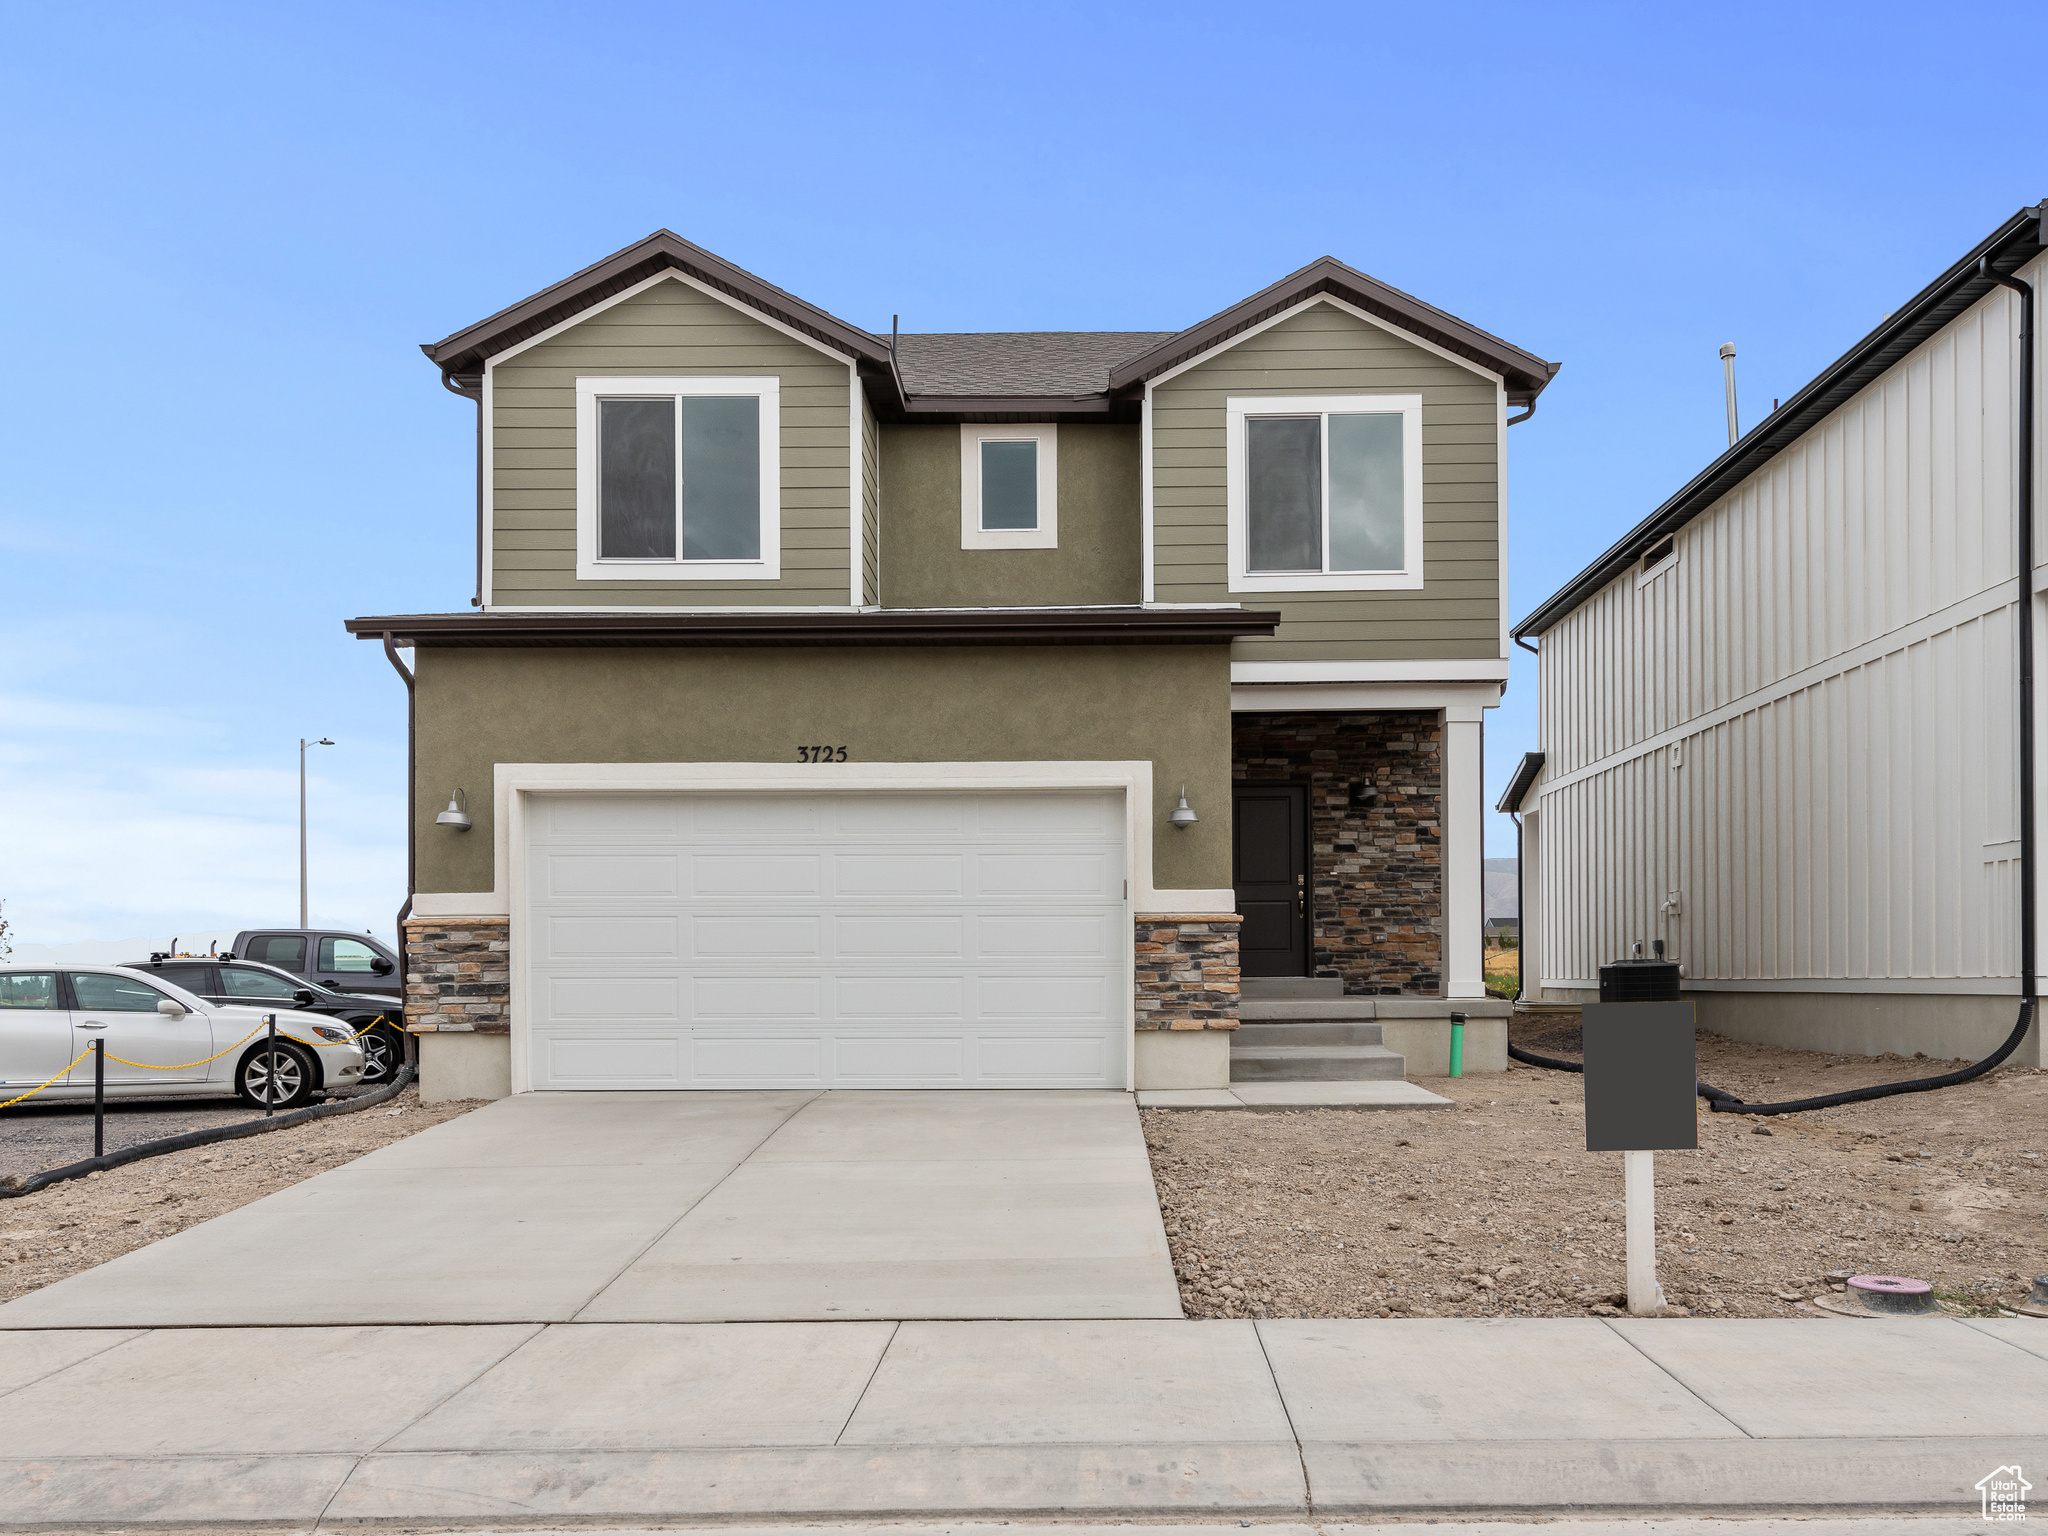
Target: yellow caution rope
<point>39,1087</point>
<point>216,1056</point>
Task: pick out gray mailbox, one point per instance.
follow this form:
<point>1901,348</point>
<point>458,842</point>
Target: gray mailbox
<point>1642,1075</point>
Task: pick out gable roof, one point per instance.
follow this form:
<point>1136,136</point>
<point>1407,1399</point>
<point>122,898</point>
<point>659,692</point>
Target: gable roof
<point>1084,375</point>
<point>1524,372</point>
<point>467,350</point>
<point>2010,246</point>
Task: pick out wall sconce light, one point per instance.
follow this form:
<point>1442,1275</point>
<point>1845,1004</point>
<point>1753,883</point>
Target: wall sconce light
<point>457,815</point>
<point>1363,796</point>
<point>1183,815</point>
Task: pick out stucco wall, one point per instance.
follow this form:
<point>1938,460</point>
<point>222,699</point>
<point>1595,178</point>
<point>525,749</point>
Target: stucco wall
<point>1169,704</point>
<point>1100,526</point>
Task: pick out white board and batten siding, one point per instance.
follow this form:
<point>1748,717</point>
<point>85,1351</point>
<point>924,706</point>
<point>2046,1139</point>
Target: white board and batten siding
<point>827,940</point>
<point>1800,732</point>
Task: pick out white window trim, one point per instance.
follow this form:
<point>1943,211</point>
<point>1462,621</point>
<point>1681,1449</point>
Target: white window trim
<point>1047,534</point>
<point>1238,407</point>
<point>589,390</point>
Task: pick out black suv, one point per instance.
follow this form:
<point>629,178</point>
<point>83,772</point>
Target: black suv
<point>254,984</point>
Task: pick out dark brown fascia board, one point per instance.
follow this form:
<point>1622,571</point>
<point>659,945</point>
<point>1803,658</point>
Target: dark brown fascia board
<point>1525,373</point>
<point>469,348</point>
<point>961,626</point>
<point>974,408</point>
<point>2014,243</point>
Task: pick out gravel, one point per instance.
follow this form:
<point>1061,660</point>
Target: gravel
<point>56,1232</point>
<point>1497,1209</point>
<point>37,1136</point>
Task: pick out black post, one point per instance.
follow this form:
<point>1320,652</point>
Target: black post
<point>99,1098</point>
<point>270,1092</point>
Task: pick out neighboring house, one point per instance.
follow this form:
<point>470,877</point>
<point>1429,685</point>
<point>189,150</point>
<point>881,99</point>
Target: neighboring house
<point>1779,717</point>
<point>829,697</point>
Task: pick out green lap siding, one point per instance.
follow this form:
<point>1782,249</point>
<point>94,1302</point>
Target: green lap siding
<point>871,504</point>
<point>1322,350</point>
<point>670,328</point>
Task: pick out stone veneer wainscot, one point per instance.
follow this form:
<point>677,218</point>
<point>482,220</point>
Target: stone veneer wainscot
<point>458,975</point>
<point>1187,970</point>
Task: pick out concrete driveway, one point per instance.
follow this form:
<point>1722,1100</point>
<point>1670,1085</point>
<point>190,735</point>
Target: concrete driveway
<point>681,1207</point>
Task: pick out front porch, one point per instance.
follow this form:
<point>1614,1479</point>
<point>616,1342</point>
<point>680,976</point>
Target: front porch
<point>1357,851</point>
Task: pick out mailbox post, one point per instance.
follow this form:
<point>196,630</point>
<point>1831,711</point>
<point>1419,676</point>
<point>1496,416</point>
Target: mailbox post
<point>1642,1076</point>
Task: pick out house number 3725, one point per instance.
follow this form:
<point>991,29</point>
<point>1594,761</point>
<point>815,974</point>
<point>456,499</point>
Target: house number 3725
<point>821,754</point>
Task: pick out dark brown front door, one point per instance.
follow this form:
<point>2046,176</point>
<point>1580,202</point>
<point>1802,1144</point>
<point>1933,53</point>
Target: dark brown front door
<point>1269,866</point>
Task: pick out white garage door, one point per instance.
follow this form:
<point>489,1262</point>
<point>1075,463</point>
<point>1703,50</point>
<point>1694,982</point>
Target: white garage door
<point>858,940</point>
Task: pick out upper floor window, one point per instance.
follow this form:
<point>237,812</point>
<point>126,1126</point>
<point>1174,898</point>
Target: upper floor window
<point>1009,487</point>
<point>678,478</point>
<point>1324,492</point>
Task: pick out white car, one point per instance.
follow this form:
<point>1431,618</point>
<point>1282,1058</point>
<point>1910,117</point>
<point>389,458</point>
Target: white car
<point>160,1039</point>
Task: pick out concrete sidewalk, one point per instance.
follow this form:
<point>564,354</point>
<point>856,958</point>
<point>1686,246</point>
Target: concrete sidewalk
<point>680,1207</point>
<point>525,1424</point>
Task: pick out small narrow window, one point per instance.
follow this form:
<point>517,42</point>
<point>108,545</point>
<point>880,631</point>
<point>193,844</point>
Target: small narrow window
<point>1009,485</point>
<point>1657,554</point>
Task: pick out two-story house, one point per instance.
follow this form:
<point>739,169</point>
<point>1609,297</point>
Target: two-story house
<point>949,710</point>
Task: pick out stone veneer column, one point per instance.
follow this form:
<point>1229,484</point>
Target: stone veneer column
<point>1187,971</point>
<point>458,975</point>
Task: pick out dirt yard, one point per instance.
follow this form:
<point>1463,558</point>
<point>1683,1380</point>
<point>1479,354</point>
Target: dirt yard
<point>1495,1209</point>
<point>75,1225</point>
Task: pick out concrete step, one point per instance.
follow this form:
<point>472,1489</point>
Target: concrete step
<point>1359,1009</point>
<point>1275,987</point>
<point>1316,1064</point>
<point>1356,1010</point>
<point>1319,1032</point>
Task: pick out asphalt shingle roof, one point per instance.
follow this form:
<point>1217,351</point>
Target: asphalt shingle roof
<point>1013,363</point>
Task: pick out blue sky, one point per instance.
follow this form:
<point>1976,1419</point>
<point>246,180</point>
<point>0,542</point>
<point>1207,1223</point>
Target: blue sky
<point>230,226</point>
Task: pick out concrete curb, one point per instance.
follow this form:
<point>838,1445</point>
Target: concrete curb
<point>1541,1479</point>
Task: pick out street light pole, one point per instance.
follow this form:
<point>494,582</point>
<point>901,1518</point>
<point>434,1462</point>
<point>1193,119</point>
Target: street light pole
<point>303,744</point>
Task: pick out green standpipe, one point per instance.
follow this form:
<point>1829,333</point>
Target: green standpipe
<point>1457,1045</point>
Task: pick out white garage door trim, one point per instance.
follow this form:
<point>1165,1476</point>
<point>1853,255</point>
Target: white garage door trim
<point>517,783</point>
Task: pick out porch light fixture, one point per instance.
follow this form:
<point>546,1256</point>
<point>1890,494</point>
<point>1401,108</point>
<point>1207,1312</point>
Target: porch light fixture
<point>457,815</point>
<point>1183,815</point>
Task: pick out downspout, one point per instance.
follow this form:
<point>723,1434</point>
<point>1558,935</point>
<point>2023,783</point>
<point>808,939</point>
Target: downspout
<point>1521,918</point>
<point>2025,623</point>
<point>474,392</point>
<point>411,778</point>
